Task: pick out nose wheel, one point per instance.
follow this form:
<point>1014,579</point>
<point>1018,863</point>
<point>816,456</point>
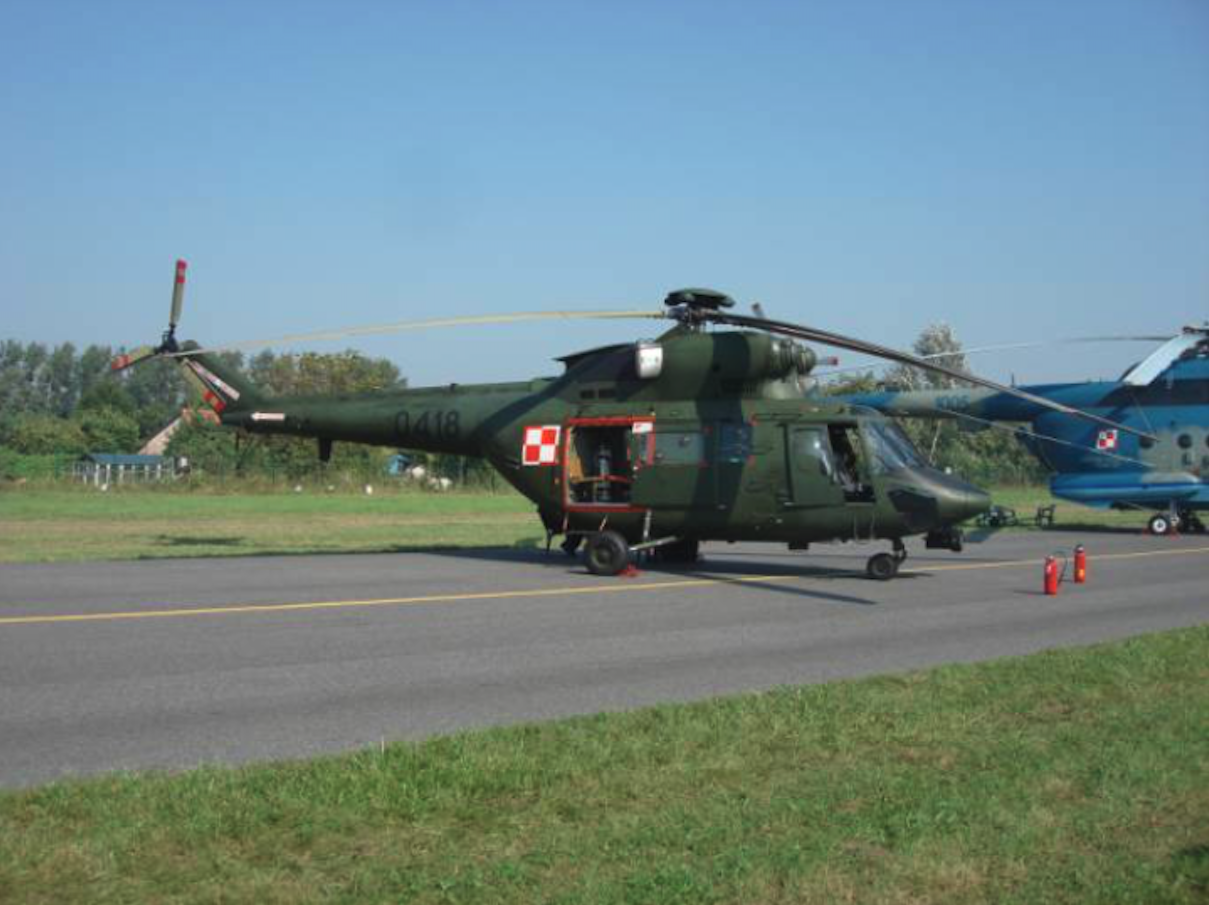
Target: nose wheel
<point>884,566</point>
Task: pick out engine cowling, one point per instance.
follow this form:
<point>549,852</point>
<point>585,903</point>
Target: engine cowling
<point>694,359</point>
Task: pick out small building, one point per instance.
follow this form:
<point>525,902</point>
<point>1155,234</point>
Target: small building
<point>110,468</point>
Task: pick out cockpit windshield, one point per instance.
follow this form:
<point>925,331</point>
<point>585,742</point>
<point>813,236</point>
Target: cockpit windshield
<point>890,448</point>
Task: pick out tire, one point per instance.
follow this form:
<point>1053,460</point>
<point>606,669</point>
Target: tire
<point>881,567</point>
<point>607,553</point>
<point>1160,525</point>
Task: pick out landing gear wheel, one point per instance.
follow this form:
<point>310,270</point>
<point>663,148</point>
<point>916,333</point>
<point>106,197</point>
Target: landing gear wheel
<point>607,553</point>
<point>881,567</point>
<point>1161,524</point>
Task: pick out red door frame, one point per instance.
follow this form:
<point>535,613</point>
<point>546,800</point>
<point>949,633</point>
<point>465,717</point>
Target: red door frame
<point>610,421</point>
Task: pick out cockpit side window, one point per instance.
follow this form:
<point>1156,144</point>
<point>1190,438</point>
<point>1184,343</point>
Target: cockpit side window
<point>812,453</point>
<point>889,448</point>
<point>851,468</point>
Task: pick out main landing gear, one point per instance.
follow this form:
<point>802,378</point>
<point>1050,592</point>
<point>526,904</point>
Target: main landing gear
<point>608,553</point>
<point>884,566</point>
<point>1163,523</point>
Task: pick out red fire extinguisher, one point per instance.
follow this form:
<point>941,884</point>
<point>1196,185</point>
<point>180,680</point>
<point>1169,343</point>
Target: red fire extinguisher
<point>1052,576</point>
<point>1080,564</point>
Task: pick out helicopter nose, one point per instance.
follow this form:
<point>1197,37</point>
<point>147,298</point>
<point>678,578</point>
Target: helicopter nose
<point>958,501</point>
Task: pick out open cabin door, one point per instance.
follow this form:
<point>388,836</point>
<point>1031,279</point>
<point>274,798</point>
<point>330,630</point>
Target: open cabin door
<point>600,462</point>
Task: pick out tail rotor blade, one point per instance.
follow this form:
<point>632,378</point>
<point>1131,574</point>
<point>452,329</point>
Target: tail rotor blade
<point>125,360</point>
<point>178,294</point>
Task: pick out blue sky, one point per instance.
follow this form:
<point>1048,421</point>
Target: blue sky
<point>1018,170</point>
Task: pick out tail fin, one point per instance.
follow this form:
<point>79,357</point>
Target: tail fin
<point>222,387</point>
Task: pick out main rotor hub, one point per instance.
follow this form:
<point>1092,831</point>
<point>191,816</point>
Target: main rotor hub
<point>692,306</point>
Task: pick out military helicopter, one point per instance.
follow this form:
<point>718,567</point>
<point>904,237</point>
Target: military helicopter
<point>652,446</point>
<point>1166,394</point>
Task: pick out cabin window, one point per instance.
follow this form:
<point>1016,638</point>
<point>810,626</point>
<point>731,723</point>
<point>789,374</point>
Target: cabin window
<point>1185,441</point>
<point>679,448</point>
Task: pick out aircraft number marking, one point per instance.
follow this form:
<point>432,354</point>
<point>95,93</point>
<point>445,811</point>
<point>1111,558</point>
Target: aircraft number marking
<point>955,402</point>
<point>439,424</point>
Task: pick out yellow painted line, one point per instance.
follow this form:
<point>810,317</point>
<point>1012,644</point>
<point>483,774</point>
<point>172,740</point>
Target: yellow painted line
<point>617,587</point>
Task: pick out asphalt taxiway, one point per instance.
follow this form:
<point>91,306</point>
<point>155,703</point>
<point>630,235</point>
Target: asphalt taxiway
<point>174,663</point>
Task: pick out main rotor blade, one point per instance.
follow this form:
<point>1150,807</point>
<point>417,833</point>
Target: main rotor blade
<point>825,337</point>
<point>178,294</point>
<point>1001,347</point>
<point>125,360</point>
<point>402,326</point>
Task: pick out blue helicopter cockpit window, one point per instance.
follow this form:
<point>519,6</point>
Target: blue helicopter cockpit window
<point>890,448</point>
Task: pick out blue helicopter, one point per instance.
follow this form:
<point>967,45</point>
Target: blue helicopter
<point>1166,395</point>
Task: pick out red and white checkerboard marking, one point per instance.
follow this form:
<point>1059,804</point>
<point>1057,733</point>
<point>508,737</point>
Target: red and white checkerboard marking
<point>541,445</point>
<point>1106,440</point>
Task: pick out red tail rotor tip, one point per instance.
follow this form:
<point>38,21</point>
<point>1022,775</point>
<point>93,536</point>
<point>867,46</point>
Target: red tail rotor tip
<point>181,266</point>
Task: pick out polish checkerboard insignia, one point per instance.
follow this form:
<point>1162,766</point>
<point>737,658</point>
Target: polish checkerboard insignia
<point>1106,440</point>
<point>541,445</point>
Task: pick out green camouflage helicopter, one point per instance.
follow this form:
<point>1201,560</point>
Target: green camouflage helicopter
<point>653,446</point>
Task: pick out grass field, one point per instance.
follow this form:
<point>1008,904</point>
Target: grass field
<point>49,523</point>
<point>1071,776</point>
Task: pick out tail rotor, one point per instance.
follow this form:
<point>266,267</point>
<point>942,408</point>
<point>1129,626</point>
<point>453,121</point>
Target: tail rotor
<point>168,344</point>
<point>178,301</point>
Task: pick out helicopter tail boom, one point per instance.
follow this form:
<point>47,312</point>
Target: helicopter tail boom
<point>221,387</point>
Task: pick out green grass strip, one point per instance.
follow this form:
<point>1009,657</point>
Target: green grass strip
<point>1068,776</point>
<point>76,523</point>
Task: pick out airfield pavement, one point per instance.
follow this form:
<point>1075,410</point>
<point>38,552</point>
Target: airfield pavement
<point>174,663</point>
